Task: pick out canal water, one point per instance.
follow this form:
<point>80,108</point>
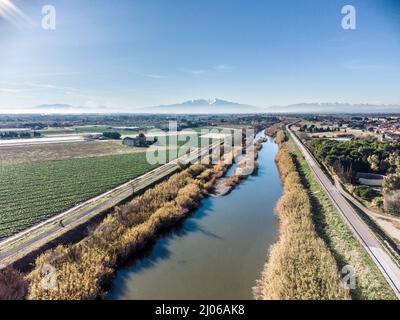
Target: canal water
<point>217,253</point>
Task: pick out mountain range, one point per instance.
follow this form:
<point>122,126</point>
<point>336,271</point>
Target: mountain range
<point>204,106</point>
<point>219,106</point>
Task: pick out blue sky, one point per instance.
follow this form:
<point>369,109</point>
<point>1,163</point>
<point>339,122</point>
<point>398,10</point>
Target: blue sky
<point>137,53</point>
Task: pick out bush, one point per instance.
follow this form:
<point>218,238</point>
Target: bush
<point>378,202</point>
<point>112,135</point>
<point>391,183</point>
<point>392,202</point>
<point>280,137</point>
<point>365,192</point>
<point>12,285</point>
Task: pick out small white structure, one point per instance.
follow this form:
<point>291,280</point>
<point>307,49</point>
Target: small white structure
<point>370,179</point>
<point>139,141</point>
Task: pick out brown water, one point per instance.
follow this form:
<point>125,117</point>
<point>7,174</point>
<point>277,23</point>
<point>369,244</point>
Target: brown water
<point>218,252</point>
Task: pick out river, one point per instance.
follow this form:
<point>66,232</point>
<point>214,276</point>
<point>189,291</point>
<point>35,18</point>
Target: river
<point>218,252</point>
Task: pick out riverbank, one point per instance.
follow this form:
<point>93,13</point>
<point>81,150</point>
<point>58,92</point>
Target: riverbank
<point>91,262</point>
<point>300,266</point>
<point>370,283</point>
<point>339,246</point>
<point>247,165</point>
<point>217,252</point>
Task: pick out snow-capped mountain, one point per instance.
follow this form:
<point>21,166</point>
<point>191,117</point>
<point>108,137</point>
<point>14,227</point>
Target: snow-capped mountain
<point>204,106</point>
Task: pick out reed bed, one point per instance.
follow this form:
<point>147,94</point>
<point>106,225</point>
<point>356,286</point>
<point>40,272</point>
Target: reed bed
<point>80,270</point>
<point>300,265</point>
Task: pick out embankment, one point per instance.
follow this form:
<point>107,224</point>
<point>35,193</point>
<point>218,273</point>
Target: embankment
<point>246,166</point>
<point>300,265</point>
<point>82,269</point>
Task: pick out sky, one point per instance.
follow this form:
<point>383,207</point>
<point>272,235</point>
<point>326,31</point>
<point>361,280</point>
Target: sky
<point>131,54</point>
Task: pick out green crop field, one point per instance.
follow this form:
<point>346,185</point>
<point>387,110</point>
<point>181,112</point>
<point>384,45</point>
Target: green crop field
<point>86,129</point>
<point>30,193</point>
<point>192,141</point>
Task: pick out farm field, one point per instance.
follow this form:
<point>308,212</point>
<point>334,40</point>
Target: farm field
<point>193,140</point>
<point>85,129</point>
<point>40,181</point>
<point>355,132</point>
<point>64,151</point>
<point>33,192</point>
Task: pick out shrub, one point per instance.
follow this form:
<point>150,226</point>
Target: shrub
<point>392,202</point>
<point>13,286</point>
<point>280,137</point>
<point>365,192</point>
<point>391,183</point>
<point>378,202</point>
<point>112,135</point>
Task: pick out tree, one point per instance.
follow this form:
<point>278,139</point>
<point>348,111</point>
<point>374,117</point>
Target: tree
<point>303,128</point>
<point>374,162</point>
<point>391,183</point>
<point>12,285</point>
<point>112,135</point>
<point>25,135</point>
<point>392,202</point>
<point>394,161</point>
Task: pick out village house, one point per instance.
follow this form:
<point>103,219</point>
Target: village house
<point>139,141</point>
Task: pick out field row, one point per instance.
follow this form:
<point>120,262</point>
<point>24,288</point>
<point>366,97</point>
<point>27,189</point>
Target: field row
<point>30,193</point>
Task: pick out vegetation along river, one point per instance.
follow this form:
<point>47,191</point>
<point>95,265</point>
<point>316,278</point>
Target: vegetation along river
<point>218,252</point>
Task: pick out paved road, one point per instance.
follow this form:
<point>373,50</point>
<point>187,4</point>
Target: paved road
<point>21,244</point>
<point>375,249</point>
<point>55,227</point>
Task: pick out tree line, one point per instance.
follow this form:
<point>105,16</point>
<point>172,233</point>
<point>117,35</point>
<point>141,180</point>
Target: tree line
<point>347,158</point>
<point>350,157</point>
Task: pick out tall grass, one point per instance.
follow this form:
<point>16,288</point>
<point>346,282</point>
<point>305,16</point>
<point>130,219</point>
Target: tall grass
<point>370,283</point>
<point>82,269</point>
<point>300,266</point>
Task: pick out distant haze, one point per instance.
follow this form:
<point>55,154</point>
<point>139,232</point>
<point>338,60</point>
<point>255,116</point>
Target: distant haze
<point>203,106</point>
<point>335,108</point>
<point>217,106</point>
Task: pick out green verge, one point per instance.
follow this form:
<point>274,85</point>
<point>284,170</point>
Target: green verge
<point>371,284</point>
